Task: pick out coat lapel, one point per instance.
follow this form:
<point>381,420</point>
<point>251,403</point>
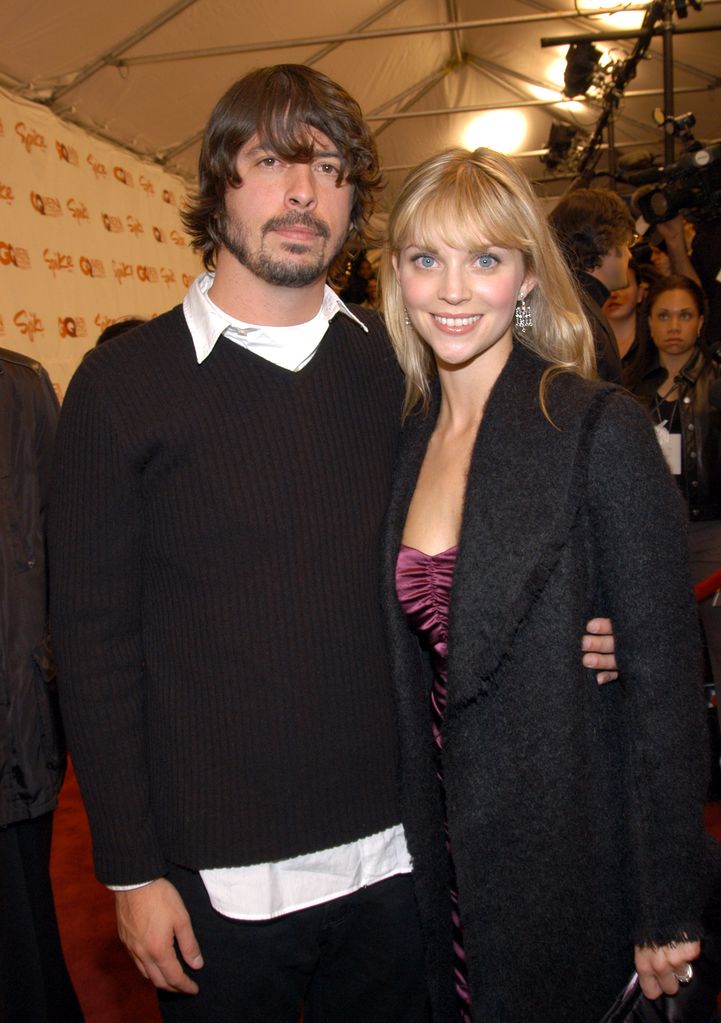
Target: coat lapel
<point>526,484</point>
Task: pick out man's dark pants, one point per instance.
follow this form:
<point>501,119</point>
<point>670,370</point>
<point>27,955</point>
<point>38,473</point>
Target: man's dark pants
<point>356,959</point>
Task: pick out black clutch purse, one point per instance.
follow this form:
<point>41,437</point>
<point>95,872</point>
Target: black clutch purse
<point>623,1009</point>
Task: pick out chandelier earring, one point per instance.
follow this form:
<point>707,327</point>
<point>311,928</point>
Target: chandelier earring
<point>406,317</point>
<point>524,317</point>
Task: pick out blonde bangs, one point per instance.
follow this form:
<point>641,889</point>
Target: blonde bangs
<point>471,209</point>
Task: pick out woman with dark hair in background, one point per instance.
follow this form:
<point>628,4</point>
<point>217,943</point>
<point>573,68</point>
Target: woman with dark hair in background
<point>675,386</point>
<point>623,309</point>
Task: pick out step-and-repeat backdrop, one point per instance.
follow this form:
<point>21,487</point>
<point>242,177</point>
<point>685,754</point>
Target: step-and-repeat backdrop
<point>88,235</point>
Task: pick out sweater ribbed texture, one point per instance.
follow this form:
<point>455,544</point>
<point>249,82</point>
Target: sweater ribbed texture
<point>214,531</point>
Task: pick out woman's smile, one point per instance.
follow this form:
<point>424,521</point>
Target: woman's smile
<point>456,324</point>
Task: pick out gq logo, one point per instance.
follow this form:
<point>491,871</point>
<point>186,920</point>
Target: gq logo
<point>123,176</point>
<point>46,205</point>
<point>72,326</point>
<point>91,267</point>
<point>10,255</point>
<point>112,223</point>
<point>66,153</point>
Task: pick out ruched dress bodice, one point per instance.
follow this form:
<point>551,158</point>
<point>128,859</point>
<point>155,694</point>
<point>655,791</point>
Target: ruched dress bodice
<point>423,585</point>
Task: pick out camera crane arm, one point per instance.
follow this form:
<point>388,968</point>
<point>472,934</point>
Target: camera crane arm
<point>623,73</point>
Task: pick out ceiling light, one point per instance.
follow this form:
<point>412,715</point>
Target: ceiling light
<point>502,130</point>
<point>622,20</point>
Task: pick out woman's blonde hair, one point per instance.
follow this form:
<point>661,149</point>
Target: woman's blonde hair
<point>481,197</point>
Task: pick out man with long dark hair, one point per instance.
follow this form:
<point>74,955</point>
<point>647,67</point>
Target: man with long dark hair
<point>222,474</point>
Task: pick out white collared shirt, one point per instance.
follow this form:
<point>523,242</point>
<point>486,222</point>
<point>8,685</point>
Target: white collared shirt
<point>289,347</point>
<point>267,890</point>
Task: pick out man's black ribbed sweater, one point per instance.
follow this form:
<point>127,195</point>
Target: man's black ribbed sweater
<point>214,530</point>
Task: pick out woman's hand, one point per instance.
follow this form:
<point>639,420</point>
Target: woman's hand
<point>660,969</point>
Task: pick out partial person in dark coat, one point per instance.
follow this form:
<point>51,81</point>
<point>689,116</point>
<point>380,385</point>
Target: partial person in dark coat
<point>623,310</point>
<point>566,819</point>
<point>595,230</point>
<point>34,982</point>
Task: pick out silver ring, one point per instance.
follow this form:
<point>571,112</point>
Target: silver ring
<point>685,975</point>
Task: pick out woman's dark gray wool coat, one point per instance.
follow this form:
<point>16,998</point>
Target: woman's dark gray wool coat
<point>575,811</point>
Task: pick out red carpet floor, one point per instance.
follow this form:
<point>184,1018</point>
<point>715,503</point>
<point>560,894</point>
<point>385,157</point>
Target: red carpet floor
<point>108,985</point>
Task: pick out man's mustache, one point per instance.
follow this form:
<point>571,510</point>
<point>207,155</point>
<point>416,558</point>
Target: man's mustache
<point>297,220</point>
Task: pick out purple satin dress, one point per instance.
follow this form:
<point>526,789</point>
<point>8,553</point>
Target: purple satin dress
<point>423,585</point>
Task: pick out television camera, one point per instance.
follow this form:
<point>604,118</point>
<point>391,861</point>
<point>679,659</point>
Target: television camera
<point>691,185</point>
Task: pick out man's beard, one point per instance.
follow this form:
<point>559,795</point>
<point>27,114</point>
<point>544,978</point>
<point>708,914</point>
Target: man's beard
<point>276,270</point>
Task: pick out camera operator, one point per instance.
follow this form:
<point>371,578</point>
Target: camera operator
<point>689,188</point>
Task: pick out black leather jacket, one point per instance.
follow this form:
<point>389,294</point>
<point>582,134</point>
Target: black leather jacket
<point>700,432</point>
<point>32,755</point>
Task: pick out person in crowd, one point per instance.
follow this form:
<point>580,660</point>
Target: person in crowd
<point>355,285</point>
<point>694,250</point>
<point>118,328</point>
<point>221,479</point>
<point>622,308</point>
<point>115,330</point>
<point>595,229</point>
<point>553,825</point>
<point>676,386</point>
<point>371,299</point>
<point>660,258</point>
<point>34,981</point>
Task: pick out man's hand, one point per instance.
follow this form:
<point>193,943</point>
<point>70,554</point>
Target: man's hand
<point>599,647</point>
<point>659,969</point>
<point>149,919</point>
<point>672,232</point>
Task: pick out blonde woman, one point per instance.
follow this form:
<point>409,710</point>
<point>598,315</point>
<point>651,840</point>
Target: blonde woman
<point>553,824</point>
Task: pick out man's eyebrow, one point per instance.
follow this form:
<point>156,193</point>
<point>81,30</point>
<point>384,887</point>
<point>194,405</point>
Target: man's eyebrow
<point>269,150</point>
<point>260,148</point>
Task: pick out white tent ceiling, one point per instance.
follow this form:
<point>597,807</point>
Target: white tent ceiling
<point>146,74</point>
